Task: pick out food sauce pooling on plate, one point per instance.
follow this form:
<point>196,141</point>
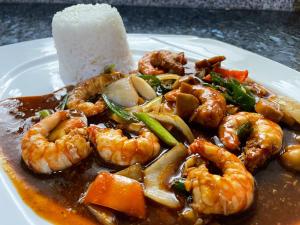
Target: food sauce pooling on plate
<point>56,197</point>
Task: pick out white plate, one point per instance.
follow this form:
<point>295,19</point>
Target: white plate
<point>31,68</point>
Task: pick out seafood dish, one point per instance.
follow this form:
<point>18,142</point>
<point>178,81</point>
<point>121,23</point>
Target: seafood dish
<point>171,142</point>
<point>167,140</point>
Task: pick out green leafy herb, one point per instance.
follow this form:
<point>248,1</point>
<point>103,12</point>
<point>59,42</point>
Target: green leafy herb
<point>44,113</point>
<point>235,92</point>
<point>157,128</point>
<point>118,110</point>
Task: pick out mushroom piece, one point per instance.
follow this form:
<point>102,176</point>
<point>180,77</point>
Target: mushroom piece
<point>186,104</point>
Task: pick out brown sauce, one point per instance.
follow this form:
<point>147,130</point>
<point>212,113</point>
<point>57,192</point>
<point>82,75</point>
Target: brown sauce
<point>55,197</point>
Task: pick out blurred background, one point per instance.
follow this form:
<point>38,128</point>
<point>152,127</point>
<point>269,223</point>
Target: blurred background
<point>268,27</point>
<point>287,5</point>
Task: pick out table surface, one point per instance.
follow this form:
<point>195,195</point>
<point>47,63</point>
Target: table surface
<point>275,35</point>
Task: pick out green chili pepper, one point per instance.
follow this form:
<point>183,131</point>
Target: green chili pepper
<point>118,110</point>
<point>235,92</point>
<point>178,186</point>
<point>63,103</point>
<point>44,113</point>
<point>157,128</point>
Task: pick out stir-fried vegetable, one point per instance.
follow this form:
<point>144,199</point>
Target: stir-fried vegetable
<point>103,215</point>
<point>159,173</point>
<point>179,187</point>
<point>143,88</point>
<point>62,104</point>
<point>239,75</point>
<point>244,131</point>
<point>152,106</point>
<point>290,109</point>
<point>105,191</point>
<point>177,122</point>
<point>159,85</point>
<point>152,80</point>
<point>44,113</point>
<point>168,76</point>
<point>157,128</point>
<point>134,171</point>
<point>186,104</point>
<point>235,92</point>
<point>122,92</point>
<point>118,110</point>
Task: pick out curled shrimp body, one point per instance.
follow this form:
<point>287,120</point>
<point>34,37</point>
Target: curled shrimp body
<point>118,149</point>
<point>230,193</point>
<point>212,109</point>
<point>84,91</point>
<point>45,156</point>
<point>264,141</point>
<point>145,66</point>
<point>159,62</point>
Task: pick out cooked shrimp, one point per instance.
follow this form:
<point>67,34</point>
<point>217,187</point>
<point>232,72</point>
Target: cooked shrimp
<point>171,96</point>
<point>45,156</point>
<point>212,108</point>
<point>80,95</point>
<point>118,149</point>
<point>145,66</point>
<point>159,62</point>
<point>264,141</point>
<point>214,194</point>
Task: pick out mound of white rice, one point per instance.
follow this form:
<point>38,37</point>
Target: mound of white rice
<point>88,38</point>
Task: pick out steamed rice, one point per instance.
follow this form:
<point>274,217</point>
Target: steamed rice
<point>88,38</point>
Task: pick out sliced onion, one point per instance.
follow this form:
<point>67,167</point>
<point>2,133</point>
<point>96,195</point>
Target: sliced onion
<point>152,106</point>
<point>122,92</point>
<point>177,122</point>
<point>168,76</point>
<point>103,215</point>
<point>160,172</point>
<point>143,88</point>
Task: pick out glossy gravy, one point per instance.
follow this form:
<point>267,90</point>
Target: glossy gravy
<point>55,197</point>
